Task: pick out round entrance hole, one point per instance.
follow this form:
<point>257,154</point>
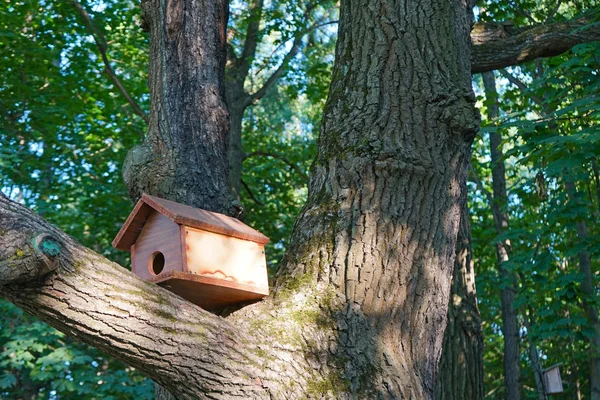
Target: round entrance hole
<point>157,262</point>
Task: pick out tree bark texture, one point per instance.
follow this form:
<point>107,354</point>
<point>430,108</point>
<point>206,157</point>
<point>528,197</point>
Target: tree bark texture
<point>385,194</point>
<point>361,298</point>
<point>498,45</point>
<point>236,150</point>
<point>461,366</point>
<point>510,323</point>
<point>183,157</point>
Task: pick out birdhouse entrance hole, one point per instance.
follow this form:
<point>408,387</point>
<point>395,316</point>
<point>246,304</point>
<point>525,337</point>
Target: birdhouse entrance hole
<point>157,262</point>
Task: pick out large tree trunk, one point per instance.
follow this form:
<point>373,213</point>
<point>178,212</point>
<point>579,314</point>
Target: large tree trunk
<point>380,223</point>
<point>510,324</point>
<point>461,365</point>
<point>361,298</point>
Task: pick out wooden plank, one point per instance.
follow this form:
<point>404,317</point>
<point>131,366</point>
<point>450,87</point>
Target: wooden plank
<point>209,293</point>
<point>182,215</point>
<point>227,258</point>
<point>132,227</point>
<point>159,234</point>
<point>205,220</point>
<point>184,264</point>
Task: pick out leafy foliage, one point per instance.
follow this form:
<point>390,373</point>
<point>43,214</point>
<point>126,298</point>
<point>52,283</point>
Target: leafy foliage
<point>65,130</point>
<point>549,122</point>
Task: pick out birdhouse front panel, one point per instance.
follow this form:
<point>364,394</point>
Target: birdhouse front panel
<point>158,248</point>
<point>223,257</point>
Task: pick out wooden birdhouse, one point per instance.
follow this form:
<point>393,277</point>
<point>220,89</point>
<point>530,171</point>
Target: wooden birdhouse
<point>207,258</point>
<point>552,379</point>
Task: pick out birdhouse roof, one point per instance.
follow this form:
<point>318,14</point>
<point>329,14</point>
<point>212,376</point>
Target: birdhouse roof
<point>182,215</point>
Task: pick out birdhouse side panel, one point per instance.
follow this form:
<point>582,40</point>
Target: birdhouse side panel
<point>553,380</point>
<point>158,248</point>
<point>226,258</point>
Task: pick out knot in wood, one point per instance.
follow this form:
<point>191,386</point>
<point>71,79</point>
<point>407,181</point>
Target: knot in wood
<point>47,245</point>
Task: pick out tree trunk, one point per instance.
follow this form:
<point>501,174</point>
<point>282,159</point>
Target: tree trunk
<point>236,151</point>
<point>361,298</point>
<point>380,223</point>
<point>184,156</point>
<point>510,324</point>
<point>461,365</point>
<point>534,356</point>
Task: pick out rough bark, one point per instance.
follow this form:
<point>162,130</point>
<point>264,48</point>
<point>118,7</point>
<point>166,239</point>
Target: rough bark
<point>190,352</point>
<point>498,45</point>
<point>461,365</point>
<point>236,150</point>
<point>361,298</point>
<point>510,324</point>
<point>588,288</point>
<point>380,223</point>
<point>182,156</point>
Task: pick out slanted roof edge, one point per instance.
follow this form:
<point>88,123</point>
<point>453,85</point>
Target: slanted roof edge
<point>117,241</point>
<point>120,243</point>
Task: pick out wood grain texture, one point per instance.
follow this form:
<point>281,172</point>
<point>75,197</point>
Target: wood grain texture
<point>132,227</point>
<point>209,293</point>
<point>159,234</point>
<point>182,215</point>
<point>226,258</point>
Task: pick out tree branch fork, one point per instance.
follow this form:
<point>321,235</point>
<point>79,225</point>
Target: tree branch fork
<point>246,355</point>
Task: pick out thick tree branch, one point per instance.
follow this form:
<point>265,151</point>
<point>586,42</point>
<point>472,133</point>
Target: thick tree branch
<point>496,46</point>
<point>180,346</point>
<point>79,292</point>
<point>103,47</point>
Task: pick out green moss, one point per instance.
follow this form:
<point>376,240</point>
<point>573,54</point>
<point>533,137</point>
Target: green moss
<point>334,383</point>
<point>19,253</point>
<point>262,353</point>
<point>293,285</point>
<point>162,314</point>
<point>50,247</point>
<point>366,379</point>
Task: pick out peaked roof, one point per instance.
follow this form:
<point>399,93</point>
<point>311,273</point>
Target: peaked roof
<point>182,215</point>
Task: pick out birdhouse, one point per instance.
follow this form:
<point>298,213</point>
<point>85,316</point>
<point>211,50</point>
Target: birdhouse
<point>552,379</point>
<point>207,258</point>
